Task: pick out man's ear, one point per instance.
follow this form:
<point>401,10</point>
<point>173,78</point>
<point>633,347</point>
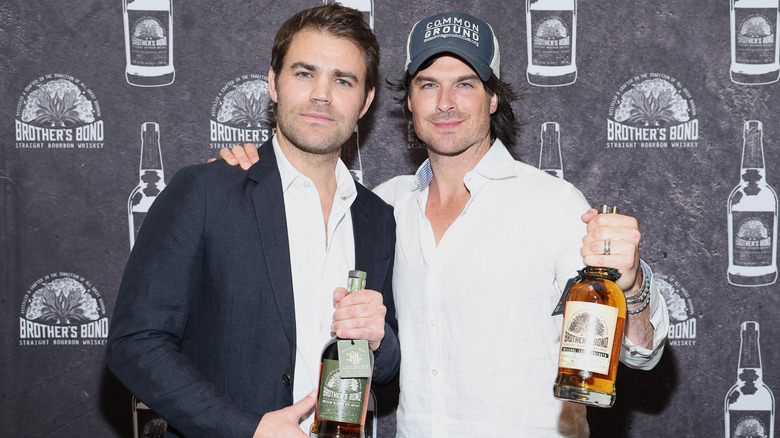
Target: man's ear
<point>367,103</point>
<point>272,84</point>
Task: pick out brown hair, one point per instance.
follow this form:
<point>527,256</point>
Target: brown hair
<point>338,21</point>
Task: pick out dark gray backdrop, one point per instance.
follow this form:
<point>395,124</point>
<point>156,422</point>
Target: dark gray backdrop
<point>64,211</point>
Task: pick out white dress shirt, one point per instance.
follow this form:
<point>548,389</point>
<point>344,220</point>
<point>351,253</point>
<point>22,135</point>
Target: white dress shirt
<point>321,260</point>
<point>478,342</point>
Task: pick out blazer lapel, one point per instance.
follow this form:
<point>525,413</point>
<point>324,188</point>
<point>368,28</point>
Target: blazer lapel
<point>272,224</point>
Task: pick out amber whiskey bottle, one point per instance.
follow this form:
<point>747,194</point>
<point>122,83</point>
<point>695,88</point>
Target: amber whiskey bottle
<point>345,382</point>
<point>593,318</point>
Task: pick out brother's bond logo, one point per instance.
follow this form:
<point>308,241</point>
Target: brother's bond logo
<point>652,110</point>
<point>242,113</point>
<point>682,319</point>
<point>63,309</point>
<point>58,111</point>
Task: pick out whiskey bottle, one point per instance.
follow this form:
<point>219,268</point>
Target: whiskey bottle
<point>752,217</point>
<point>551,37</point>
<point>550,154</point>
<point>151,180</point>
<point>754,42</point>
<point>750,405</point>
<point>593,318</point>
<point>346,369</point>
<point>148,42</point>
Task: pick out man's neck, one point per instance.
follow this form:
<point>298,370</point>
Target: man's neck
<point>447,193</point>
<point>320,168</point>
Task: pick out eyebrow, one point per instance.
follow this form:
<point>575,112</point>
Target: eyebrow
<point>468,77</point>
<point>336,73</point>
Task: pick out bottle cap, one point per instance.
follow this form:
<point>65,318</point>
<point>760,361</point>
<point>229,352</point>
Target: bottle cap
<point>357,274</point>
<point>356,281</point>
<point>608,209</point>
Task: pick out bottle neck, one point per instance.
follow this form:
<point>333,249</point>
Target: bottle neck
<point>749,352</point>
<point>753,148</point>
<point>601,272</point>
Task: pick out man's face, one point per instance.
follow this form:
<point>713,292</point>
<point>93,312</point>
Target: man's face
<point>450,106</point>
<point>319,92</point>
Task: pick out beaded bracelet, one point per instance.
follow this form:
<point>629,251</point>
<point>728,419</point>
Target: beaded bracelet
<point>642,294</point>
<point>640,308</point>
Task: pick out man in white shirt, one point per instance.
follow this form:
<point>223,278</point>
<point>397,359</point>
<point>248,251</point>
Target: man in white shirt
<point>484,246</point>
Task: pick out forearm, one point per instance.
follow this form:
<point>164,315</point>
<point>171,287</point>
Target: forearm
<point>646,331</point>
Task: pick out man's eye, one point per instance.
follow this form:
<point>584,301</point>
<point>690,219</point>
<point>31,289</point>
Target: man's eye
<point>304,74</point>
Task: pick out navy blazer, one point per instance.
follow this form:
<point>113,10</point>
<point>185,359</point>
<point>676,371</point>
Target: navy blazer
<point>203,330</point>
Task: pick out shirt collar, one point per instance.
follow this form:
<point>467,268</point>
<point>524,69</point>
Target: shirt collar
<point>345,184</point>
<point>496,164</point>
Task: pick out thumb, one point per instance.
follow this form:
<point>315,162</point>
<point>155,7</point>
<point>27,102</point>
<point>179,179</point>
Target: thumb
<point>589,215</point>
<point>305,404</point>
<point>338,294</point>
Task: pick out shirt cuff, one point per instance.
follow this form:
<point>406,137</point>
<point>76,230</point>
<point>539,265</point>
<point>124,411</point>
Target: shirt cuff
<point>639,357</point>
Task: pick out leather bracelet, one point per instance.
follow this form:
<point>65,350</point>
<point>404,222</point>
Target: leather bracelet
<point>641,308</point>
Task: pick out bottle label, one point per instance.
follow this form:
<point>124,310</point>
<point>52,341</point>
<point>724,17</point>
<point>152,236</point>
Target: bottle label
<point>753,238</point>
<point>149,38</point>
<point>551,37</point>
<point>340,399</point>
<point>588,336</point>
<point>354,359</point>
<point>749,423</point>
<point>754,33</point>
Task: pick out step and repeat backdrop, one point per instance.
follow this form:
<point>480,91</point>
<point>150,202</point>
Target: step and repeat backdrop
<point>668,109</point>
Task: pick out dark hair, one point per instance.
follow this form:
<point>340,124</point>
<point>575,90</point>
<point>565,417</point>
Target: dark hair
<point>338,21</point>
<point>502,122</point>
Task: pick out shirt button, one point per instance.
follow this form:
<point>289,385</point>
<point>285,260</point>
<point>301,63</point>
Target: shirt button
<point>434,372</point>
<point>286,379</point>
<point>306,183</point>
<point>433,322</point>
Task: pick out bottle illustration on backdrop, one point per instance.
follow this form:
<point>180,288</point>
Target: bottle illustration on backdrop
<point>550,153</point>
<point>350,155</point>
<point>749,405</point>
<point>755,47</point>
<point>551,35</point>
<point>149,42</point>
<point>593,316</point>
<point>346,369</point>
<point>151,179</point>
<point>752,217</point>
<point>364,6</point>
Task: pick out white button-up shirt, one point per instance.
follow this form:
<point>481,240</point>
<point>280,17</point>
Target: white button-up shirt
<point>479,346</point>
<point>321,260</point>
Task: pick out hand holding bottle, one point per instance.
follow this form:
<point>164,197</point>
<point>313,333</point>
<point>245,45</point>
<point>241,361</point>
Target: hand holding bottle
<point>359,315</point>
<point>622,251</point>
<point>285,422</point>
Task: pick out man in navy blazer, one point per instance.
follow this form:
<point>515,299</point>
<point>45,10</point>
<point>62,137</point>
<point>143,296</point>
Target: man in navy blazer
<point>214,352</point>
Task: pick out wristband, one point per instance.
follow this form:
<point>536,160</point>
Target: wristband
<point>640,308</point>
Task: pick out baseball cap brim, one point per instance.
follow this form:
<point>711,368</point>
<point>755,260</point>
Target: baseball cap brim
<point>483,70</point>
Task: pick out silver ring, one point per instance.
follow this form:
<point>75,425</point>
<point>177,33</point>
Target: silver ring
<point>606,247</point>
